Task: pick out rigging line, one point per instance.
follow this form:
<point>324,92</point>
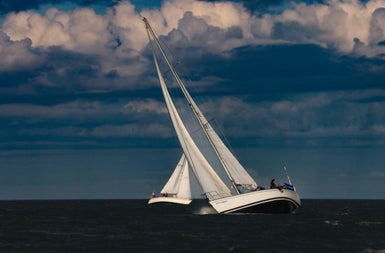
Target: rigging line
<point>168,71</point>
<point>177,60</point>
<point>223,134</point>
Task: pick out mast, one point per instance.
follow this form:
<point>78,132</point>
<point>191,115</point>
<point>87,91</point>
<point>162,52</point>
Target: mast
<point>201,119</point>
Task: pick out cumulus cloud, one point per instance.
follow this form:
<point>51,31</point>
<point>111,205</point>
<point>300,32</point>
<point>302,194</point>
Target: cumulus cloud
<point>377,32</point>
<point>219,26</point>
<point>110,48</point>
<point>16,54</point>
<point>335,24</point>
<point>79,30</point>
<point>83,31</point>
<point>332,24</point>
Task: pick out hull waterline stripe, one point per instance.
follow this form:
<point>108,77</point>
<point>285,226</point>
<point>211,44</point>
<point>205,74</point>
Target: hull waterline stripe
<point>261,202</point>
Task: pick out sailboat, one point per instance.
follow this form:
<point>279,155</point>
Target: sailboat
<point>224,182</point>
<point>177,189</point>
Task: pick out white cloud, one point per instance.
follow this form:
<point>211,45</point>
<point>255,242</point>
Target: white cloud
<point>80,30</point>
<point>116,37</point>
<point>126,24</point>
<point>16,54</point>
<point>334,24</point>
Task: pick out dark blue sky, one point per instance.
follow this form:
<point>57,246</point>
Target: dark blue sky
<point>299,84</point>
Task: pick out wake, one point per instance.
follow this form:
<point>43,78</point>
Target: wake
<point>205,210</point>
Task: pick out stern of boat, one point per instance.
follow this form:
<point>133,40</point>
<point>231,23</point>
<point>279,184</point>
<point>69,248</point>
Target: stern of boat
<point>262,201</point>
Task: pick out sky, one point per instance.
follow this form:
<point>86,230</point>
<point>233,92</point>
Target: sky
<point>299,84</point>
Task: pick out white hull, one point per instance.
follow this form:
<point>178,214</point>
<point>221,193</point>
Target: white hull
<point>169,200</point>
<point>270,201</point>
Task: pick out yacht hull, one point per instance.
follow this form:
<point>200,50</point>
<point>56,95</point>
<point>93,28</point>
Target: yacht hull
<point>263,201</point>
<point>171,200</point>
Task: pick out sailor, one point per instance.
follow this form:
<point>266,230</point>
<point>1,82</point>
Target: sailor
<point>274,186</point>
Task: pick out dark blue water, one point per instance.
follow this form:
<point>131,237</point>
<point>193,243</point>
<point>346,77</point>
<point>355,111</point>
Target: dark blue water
<point>133,226</point>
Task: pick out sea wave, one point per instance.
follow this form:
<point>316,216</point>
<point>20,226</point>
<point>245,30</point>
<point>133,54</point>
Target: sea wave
<point>369,223</point>
<point>205,210</point>
<point>373,251</point>
<point>333,222</point>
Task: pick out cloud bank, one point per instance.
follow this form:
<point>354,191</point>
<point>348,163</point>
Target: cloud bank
<point>340,25</point>
<point>293,71</point>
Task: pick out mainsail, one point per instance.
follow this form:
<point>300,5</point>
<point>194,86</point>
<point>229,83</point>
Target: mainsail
<point>178,184</point>
<point>210,182</point>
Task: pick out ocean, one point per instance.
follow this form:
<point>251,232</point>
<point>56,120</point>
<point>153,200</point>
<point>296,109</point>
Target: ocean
<point>133,226</point>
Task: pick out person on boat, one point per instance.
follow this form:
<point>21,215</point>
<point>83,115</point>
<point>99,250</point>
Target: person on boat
<point>274,186</point>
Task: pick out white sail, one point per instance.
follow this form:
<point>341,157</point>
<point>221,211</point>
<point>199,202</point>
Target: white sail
<point>233,168</point>
<point>178,184</point>
<point>237,173</point>
<point>210,182</point>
